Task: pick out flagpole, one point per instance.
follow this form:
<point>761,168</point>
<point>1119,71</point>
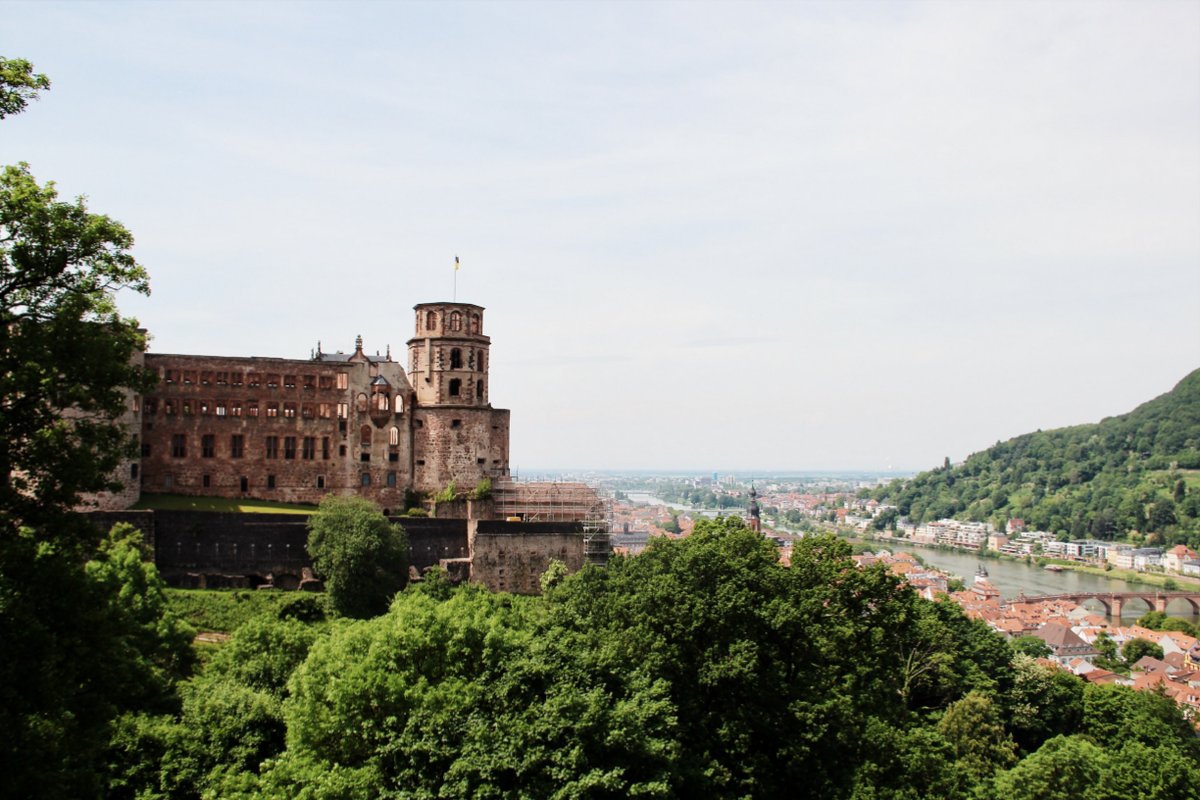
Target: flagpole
<point>456,279</point>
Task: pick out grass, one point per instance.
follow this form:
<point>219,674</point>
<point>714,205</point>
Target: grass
<point>179,502</point>
<point>225,610</point>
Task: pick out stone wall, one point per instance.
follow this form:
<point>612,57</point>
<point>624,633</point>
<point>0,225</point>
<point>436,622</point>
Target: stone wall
<point>210,549</point>
<point>511,556</point>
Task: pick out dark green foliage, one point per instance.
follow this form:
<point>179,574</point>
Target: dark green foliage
<point>225,611</point>
<point>1099,481</point>
<point>1135,649</point>
<point>81,645</point>
<point>1031,646</point>
<point>65,358</point>
<point>362,558</point>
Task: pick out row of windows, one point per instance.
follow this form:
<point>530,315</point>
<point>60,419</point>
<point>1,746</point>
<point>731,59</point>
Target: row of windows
<point>454,322</point>
<point>254,380</point>
<point>244,482</point>
<point>237,445</point>
<point>251,408</point>
<point>474,362</point>
<point>455,388</point>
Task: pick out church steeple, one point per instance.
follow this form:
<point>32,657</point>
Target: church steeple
<point>752,509</point>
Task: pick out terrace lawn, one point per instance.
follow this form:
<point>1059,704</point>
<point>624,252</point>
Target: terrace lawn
<point>179,502</point>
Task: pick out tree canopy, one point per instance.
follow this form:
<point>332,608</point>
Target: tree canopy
<point>362,558</point>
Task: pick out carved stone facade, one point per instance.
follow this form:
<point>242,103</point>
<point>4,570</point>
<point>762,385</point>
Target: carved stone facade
<point>295,430</point>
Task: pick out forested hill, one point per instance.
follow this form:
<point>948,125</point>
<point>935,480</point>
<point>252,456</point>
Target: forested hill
<point>1135,472</point>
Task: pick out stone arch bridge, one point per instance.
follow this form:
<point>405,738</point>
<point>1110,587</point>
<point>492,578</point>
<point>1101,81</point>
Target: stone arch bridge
<point>1114,602</point>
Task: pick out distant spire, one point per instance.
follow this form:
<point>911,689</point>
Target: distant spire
<point>358,343</point>
<point>389,352</point>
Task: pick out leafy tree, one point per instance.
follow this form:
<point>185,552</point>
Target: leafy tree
<point>66,359</point>
<point>1064,768</point>
<point>553,575</point>
<point>18,85</point>
<point>1136,648</point>
<point>1042,702</point>
<point>82,645</point>
<point>361,556</point>
<point>1031,646</point>
<point>973,728</point>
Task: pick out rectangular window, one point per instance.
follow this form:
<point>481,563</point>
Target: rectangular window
<point>310,381</point>
<point>221,408</point>
<point>208,446</point>
<point>189,377</point>
<point>343,380</point>
<point>306,411</point>
<point>272,409</point>
<point>393,457</point>
<point>325,447</point>
<point>391,479</point>
<point>150,405</point>
<point>310,448</point>
<point>179,445</point>
<point>289,447</point>
<point>205,407</point>
<point>206,481</point>
<point>366,479</point>
<point>235,410</point>
<point>325,411</point>
<point>320,481</point>
<point>252,408</point>
<point>237,445</point>
<point>187,408</point>
<point>343,410</point>
<point>325,381</point>
<point>253,380</point>
<point>136,404</point>
<point>222,378</point>
<point>289,381</point>
<point>270,481</point>
<point>205,378</point>
<point>235,378</point>
<point>272,447</point>
<point>145,449</point>
<point>289,410</point>
<point>272,381</point>
<point>172,376</point>
<point>169,407</point>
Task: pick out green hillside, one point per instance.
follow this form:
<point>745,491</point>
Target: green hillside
<point>1135,475</point>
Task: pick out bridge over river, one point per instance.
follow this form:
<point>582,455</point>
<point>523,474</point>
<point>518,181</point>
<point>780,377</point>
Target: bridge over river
<point>1113,602</point>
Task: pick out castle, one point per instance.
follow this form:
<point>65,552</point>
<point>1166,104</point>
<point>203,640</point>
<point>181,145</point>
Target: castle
<point>294,430</point>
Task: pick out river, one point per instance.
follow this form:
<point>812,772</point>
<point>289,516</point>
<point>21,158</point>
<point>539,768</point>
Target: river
<point>1015,577</point>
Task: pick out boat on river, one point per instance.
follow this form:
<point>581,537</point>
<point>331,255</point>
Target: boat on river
<point>1054,568</point>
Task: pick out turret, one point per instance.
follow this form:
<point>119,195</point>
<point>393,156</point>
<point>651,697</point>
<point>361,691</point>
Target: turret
<point>448,355</point>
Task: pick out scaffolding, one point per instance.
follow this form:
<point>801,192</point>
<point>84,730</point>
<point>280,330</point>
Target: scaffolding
<point>560,502</point>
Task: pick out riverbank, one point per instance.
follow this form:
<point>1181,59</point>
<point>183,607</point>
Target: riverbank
<point>1155,579</point>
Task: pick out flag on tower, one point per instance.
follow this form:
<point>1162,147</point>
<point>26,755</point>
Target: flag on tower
<point>456,263</point>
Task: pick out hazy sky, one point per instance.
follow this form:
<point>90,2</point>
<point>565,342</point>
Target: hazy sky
<point>708,236</point>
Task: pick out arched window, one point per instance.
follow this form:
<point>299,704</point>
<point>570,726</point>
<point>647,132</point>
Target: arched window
<point>398,405</point>
<point>455,321</point>
<point>362,403</point>
<point>473,323</point>
<point>479,390</point>
<point>364,434</point>
<point>430,320</point>
<point>455,387</point>
<point>394,436</point>
<point>455,358</point>
<point>481,369</point>
<point>381,402</point>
